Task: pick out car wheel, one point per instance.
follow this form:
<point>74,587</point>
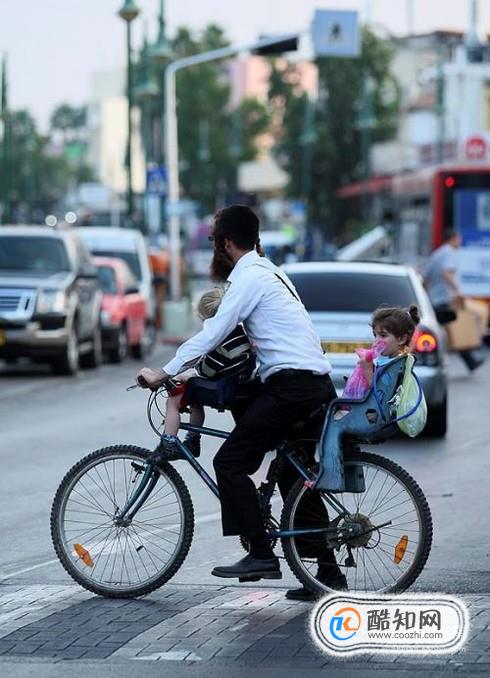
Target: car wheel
<point>68,361</point>
<point>142,350</point>
<point>436,426</point>
<point>93,358</point>
<point>120,350</point>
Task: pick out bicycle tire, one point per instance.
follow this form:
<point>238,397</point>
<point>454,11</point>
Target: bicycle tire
<point>187,511</point>
<point>423,548</point>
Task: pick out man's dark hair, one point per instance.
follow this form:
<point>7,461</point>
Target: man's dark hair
<point>239,224</point>
<point>449,234</point>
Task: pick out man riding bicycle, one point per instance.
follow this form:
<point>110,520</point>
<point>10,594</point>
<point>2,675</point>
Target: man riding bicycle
<point>294,381</point>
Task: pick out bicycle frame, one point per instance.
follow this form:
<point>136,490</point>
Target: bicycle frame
<point>150,479</point>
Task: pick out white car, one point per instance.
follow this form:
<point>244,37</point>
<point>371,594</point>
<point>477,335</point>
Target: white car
<point>129,245</point>
<point>340,299</point>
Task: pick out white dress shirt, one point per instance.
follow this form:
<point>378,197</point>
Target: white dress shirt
<point>275,321</point>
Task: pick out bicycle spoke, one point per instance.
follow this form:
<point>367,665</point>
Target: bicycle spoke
<point>387,501</point>
<point>127,555</point>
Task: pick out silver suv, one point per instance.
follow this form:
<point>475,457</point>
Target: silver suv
<point>49,299</point>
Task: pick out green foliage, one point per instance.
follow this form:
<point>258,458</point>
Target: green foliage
<point>213,138</point>
<point>38,174</point>
<point>70,121</point>
<point>321,149</point>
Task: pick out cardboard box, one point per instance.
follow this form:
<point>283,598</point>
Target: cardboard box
<point>480,310</point>
<point>464,332</point>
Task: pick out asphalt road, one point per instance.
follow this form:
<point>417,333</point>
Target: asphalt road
<point>47,423</point>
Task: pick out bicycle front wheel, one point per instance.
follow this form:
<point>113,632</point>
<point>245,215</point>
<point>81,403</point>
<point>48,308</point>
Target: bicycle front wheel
<point>390,524</point>
<point>110,559</point>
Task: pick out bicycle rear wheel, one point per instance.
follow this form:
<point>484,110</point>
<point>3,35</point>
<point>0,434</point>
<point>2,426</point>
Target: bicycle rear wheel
<point>392,521</point>
<point>113,560</point>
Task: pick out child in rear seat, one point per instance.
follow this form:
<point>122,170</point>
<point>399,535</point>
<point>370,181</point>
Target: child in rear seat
<point>234,352</point>
<point>393,329</point>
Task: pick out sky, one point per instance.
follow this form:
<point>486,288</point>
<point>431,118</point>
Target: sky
<point>54,46</point>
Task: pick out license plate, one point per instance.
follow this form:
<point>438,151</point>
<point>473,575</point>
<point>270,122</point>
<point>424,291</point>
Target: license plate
<point>344,346</point>
<point>3,338</point>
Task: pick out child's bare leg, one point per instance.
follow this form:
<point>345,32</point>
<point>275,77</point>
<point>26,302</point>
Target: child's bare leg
<point>172,415</point>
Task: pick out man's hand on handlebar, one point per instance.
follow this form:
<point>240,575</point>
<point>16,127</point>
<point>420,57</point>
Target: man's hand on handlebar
<point>153,379</point>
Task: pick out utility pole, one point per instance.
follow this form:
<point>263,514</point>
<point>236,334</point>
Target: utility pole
<point>4,114</point>
<point>307,139</point>
<point>266,46</point>
<point>366,124</point>
<point>128,12</point>
<point>439,106</point>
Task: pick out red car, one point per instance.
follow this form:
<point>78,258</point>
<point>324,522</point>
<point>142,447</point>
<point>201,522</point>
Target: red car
<point>124,312</point>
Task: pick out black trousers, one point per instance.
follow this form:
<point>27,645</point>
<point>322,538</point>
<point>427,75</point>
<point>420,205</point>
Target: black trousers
<point>469,359</point>
<point>284,399</point>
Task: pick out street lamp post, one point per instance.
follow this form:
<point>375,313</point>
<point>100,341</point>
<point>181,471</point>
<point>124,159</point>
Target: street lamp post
<point>128,12</point>
<point>4,116</point>
<point>171,139</point>
<point>160,55</point>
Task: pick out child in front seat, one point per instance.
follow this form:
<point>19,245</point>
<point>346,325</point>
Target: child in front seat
<point>393,329</point>
<point>234,352</point>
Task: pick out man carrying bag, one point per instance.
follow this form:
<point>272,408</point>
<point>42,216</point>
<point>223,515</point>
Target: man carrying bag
<point>442,284</point>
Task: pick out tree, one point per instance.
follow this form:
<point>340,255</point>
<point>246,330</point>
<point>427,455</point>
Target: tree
<point>319,143</point>
<point>38,177</point>
<point>69,121</point>
<point>213,138</point>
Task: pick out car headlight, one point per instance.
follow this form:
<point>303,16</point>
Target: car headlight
<point>51,301</point>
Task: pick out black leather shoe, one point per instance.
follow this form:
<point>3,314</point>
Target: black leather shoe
<point>250,569</point>
<point>338,583</point>
<point>302,594</point>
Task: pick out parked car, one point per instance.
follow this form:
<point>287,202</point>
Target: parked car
<point>127,244</point>
<point>340,298</point>
<point>279,246</point>
<point>49,299</point>
<point>124,311</point>
<point>199,251</point>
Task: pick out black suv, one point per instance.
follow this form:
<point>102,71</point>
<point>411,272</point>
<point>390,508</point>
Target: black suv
<point>49,298</point>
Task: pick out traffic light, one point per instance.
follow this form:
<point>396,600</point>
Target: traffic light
<point>277,46</point>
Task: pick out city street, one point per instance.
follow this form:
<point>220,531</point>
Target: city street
<point>195,622</point>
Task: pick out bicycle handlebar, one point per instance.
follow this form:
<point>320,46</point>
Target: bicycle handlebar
<point>141,382</point>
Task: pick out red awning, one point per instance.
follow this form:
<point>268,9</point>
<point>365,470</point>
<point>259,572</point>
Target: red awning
<point>371,185</point>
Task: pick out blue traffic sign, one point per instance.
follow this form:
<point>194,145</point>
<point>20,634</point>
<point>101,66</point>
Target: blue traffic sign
<point>156,180</point>
<point>335,33</point>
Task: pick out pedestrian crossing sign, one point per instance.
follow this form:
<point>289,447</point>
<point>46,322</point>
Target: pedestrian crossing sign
<point>335,33</point>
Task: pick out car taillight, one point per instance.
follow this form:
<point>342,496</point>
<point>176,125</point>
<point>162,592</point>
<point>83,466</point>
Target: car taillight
<point>424,345</point>
<point>424,341</point>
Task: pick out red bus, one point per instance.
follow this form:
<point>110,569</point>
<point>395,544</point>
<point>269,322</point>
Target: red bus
<point>424,204</point>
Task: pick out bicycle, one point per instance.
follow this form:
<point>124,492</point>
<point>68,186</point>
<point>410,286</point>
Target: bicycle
<point>122,527</point>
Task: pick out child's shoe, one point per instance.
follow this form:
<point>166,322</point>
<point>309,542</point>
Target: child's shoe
<point>193,442</point>
<point>166,450</point>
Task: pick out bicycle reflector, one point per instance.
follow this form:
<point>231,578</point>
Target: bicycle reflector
<point>83,554</point>
<point>400,549</point>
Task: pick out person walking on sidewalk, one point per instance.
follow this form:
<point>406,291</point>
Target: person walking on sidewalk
<point>294,381</point>
<point>441,281</point>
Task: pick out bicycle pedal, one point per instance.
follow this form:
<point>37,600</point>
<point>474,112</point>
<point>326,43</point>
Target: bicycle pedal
<point>245,579</point>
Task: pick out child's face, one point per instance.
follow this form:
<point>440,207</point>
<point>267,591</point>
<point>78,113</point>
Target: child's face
<point>393,345</point>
